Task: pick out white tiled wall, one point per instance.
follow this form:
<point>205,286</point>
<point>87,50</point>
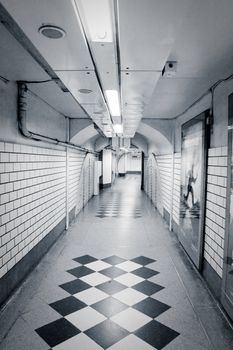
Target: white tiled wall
<point>160,169</point>
<point>151,182</point>
<point>75,164</point>
<point>176,189</point>
<point>216,207</point>
<point>165,174</point>
<point>33,195</point>
<point>32,198</point>
<point>150,179</point>
<point>85,188</point>
<point>158,181</point>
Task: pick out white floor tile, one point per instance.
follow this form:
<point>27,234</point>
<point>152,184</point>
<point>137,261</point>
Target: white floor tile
<point>130,296</point>
<point>80,341</point>
<point>91,295</point>
<point>131,319</point>
<point>95,278</point>
<point>98,265</point>
<point>129,279</point>
<point>85,318</point>
<point>131,343</point>
<point>128,266</point>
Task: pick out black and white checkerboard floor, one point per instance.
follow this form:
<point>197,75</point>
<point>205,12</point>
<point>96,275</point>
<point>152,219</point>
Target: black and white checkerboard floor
<point>112,305</point>
<point>117,206</point>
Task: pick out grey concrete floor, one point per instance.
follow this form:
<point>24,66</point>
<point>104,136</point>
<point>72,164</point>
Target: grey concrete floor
<point>136,229</point>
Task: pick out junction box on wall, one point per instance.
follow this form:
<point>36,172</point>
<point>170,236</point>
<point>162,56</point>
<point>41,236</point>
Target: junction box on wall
<point>170,69</point>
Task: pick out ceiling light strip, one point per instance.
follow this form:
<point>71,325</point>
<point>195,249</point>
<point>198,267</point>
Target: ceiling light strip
<point>113,102</point>
<point>118,53</point>
<point>75,6</point>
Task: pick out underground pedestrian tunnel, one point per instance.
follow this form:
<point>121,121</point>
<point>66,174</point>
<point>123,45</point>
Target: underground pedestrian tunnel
<point>116,204</point>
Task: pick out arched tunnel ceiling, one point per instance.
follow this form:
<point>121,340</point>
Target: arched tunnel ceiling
<point>156,140</point>
<point>195,33</point>
<point>140,142</point>
<point>147,138</point>
<point>84,135</point>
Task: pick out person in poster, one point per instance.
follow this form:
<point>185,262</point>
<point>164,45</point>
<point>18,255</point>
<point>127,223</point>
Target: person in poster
<point>191,180</point>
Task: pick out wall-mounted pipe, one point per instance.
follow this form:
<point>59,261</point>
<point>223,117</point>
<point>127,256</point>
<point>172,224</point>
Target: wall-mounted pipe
<point>4,80</point>
<point>22,123</point>
<point>22,110</point>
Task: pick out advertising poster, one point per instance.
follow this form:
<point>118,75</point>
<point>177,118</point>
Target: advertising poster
<point>228,254</point>
<point>193,176</point>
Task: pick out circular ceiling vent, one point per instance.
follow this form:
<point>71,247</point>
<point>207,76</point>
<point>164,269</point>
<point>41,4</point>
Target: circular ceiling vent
<point>52,32</point>
<point>85,91</point>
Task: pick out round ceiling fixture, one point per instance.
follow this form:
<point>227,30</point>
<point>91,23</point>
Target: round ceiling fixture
<point>85,91</point>
<point>52,32</point>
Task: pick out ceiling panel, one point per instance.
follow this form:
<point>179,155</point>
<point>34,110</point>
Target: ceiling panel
<point>203,50</point>
<point>76,80</point>
<point>148,30</point>
<point>65,103</point>
<point>15,62</point>
<point>106,63</point>
<point>203,47</point>
<point>136,91</point>
<point>137,87</point>
<point>173,95</point>
<point>67,53</point>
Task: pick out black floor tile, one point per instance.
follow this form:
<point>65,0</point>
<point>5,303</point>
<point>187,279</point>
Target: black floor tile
<point>80,271</point>
<point>156,334</point>
<point>109,307</point>
<point>113,272</point>
<point>145,272</point>
<point>58,331</point>
<point>114,260</point>
<point>68,305</point>
<point>147,287</point>
<point>111,287</point>
<point>151,307</point>
<point>106,333</point>
<point>143,260</point>
<point>85,259</point>
<point>75,286</point>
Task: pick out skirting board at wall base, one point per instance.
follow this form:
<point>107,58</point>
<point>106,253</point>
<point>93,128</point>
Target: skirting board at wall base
<point>212,279</point>
<point>121,174</point>
<point>71,215</point>
<point>210,276</point>
<point>133,172</point>
<point>175,227</point>
<point>106,185</point>
<point>12,279</point>
<point>166,215</point>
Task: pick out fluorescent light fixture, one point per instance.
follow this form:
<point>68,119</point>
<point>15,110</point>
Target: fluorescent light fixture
<point>113,102</point>
<point>98,19</point>
<point>118,128</point>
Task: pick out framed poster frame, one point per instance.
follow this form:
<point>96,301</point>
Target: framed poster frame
<point>194,175</point>
<point>226,300</point>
